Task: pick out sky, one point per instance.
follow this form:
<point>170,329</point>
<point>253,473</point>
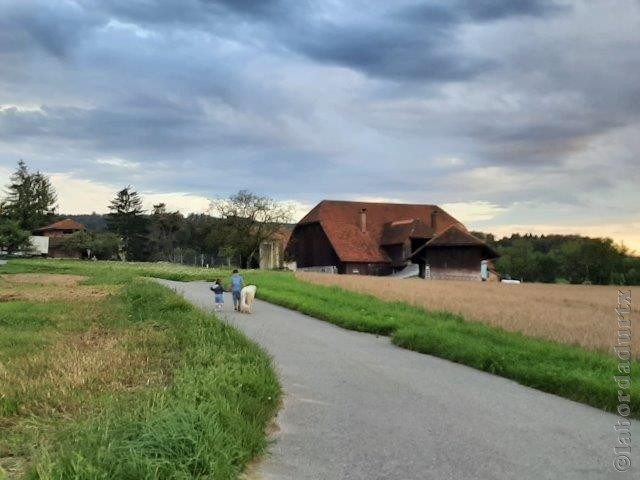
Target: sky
<point>513,115</point>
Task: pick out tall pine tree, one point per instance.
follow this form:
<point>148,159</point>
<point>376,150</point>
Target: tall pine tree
<point>30,199</point>
<point>127,219</point>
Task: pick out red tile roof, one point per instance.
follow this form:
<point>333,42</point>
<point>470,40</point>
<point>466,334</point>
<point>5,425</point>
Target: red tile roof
<point>66,224</point>
<point>394,233</point>
<point>454,236</point>
<point>341,223</point>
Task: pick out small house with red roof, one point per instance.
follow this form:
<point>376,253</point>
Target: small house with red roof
<point>67,226</point>
<point>57,232</point>
<point>382,238</point>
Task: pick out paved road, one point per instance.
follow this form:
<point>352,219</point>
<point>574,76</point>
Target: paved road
<point>357,407</point>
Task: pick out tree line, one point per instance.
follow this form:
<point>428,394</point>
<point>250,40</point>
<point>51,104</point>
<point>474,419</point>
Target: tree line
<point>234,228</point>
<point>564,258</point>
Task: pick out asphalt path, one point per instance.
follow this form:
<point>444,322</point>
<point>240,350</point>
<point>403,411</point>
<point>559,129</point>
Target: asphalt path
<point>358,407</point>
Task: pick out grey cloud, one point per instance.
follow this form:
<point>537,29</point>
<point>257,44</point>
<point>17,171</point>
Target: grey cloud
<point>187,12</point>
<point>141,127</point>
<point>488,10</point>
<point>250,7</point>
<point>388,51</point>
<point>417,41</point>
<point>54,28</point>
<point>430,13</point>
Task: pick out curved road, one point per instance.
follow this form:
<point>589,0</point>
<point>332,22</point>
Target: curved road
<point>357,407</point>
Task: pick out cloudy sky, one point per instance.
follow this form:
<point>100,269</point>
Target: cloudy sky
<point>515,115</point>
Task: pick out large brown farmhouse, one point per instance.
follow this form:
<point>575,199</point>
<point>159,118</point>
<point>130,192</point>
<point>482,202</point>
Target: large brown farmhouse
<point>381,238</point>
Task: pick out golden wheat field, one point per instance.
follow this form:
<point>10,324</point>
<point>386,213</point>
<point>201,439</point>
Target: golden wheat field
<point>573,314</point>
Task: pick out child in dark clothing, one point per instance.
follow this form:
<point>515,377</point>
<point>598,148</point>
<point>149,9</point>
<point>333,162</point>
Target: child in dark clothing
<point>218,289</point>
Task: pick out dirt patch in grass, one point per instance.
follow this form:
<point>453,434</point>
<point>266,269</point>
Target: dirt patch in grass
<point>43,279</point>
<point>9,296</point>
<point>46,288</point>
<point>47,294</point>
<point>59,379</point>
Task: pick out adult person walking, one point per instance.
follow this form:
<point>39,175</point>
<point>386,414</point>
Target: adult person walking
<point>237,282</point>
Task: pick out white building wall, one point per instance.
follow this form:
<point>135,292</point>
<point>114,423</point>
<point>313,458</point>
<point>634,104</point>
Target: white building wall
<point>39,245</point>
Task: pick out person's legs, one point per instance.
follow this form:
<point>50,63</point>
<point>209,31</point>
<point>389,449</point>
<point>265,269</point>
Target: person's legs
<point>219,301</point>
<point>236,300</point>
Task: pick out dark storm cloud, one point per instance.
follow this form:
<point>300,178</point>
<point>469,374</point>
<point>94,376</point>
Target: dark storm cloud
<point>257,8</point>
<point>418,41</point>
<point>146,125</point>
<point>188,12</point>
<point>489,10</point>
<point>51,27</point>
<point>388,51</point>
<point>428,13</point>
<point>410,41</point>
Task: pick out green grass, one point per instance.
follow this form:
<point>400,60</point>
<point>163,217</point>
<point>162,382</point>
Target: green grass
<point>209,423</point>
<point>566,370</point>
<point>178,395</point>
<point>112,273</point>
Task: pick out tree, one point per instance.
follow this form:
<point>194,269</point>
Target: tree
<point>548,267</point>
<point>12,237</point>
<point>128,221</point>
<point>248,220</point>
<point>102,245</point>
<point>163,232</point>
<point>518,260</point>
<point>30,199</point>
<point>578,259</point>
<point>105,245</point>
<point>631,267</point>
<point>593,260</point>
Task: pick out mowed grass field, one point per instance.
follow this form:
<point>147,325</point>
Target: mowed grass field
<point>107,375</point>
<point>572,314</point>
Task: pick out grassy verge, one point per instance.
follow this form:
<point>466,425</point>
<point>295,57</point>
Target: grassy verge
<point>133,383</point>
<point>570,371</point>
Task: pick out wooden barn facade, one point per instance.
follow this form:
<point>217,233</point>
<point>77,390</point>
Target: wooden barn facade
<point>383,238</point>
<point>272,250</point>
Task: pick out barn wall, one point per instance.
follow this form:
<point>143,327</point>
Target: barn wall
<point>310,247</point>
<point>355,268</point>
<point>396,253</point>
<point>454,263</point>
<point>271,255</point>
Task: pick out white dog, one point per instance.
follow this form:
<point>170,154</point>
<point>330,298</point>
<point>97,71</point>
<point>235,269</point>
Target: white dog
<point>247,294</point>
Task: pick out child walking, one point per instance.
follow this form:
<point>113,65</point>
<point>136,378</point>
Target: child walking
<point>218,291</point>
